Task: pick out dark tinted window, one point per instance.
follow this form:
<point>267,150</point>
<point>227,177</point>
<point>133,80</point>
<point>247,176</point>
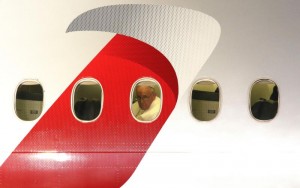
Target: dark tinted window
<point>87,99</point>
<point>264,99</point>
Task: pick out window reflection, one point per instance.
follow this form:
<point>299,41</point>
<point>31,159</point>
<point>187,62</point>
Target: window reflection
<point>264,99</point>
<point>205,100</point>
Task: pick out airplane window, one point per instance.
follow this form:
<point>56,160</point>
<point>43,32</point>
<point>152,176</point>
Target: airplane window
<point>146,100</point>
<point>205,100</point>
<point>29,100</point>
<point>264,99</point>
<point>87,100</point>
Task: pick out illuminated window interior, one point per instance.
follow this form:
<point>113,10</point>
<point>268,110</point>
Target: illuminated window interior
<point>205,100</point>
<point>146,101</point>
<point>29,100</point>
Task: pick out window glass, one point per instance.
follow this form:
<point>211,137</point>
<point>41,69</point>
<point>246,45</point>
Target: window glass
<point>264,99</point>
<point>205,100</point>
<point>29,100</point>
<point>87,100</point>
<point>146,100</point>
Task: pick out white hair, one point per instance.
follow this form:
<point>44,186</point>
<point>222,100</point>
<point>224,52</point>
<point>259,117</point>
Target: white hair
<point>149,84</point>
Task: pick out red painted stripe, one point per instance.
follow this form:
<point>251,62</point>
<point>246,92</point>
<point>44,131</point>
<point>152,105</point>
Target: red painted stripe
<point>103,153</point>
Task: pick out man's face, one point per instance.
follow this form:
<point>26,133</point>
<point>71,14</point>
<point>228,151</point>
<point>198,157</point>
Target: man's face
<point>145,96</point>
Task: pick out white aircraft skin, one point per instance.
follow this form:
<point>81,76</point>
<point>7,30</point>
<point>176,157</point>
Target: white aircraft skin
<point>257,39</point>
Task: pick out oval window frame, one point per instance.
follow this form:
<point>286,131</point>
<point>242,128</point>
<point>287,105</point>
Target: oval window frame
<point>250,101</point>
<point>132,96</point>
<point>43,96</point>
<point>89,79</point>
<point>191,98</point>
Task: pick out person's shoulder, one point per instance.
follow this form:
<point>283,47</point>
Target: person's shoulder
<point>156,103</point>
<point>157,99</point>
<point>135,107</point>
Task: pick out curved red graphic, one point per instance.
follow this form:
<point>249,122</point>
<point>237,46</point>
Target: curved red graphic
<point>60,151</point>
